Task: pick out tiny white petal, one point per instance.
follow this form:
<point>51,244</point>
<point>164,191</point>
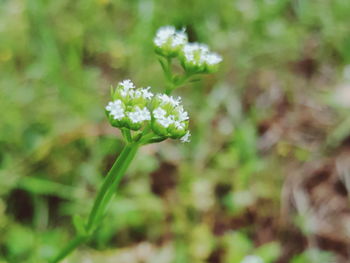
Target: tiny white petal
<point>180,38</point>
<point>166,121</point>
<point>146,93</point>
<point>116,109</point>
<point>179,125</point>
<point>127,84</point>
<point>159,113</point>
<point>183,115</point>
<point>127,89</point>
<point>169,99</point>
<point>139,115</point>
<point>186,137</point>
<point>168,34</point>
<point>213,59</point>
<point>163,34</point>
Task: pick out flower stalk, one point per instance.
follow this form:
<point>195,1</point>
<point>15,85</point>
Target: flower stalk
<point>145,118</point>
<point>103,198</point>
<point>110,184</point>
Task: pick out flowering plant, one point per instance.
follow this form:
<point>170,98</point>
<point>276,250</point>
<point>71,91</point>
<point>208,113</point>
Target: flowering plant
<point>145,118</point>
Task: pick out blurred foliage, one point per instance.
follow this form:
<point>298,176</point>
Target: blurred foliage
<point>216,199</point>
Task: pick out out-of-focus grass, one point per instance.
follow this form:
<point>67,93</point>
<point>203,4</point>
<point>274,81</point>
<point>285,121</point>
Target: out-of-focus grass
<point>57,61</point>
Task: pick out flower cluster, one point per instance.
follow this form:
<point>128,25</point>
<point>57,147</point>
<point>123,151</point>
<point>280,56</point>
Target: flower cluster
<point>169,119</point>
<point>194,57</point>
<point>197,58</point>
<point>169,42</point>
<point>129,106</point>
<point>138,108</point>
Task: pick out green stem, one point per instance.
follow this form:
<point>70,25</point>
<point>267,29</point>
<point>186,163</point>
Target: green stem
<point>103,197</point>
<point>177,82</point>
<point>124,164</point>
<point>73,244</point>
<point>113,177</point>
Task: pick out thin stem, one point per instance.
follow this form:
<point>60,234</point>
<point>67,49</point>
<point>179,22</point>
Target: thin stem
<point>176,82</point>
<point>102,199</point>
<point>117,171</point>
<point>113,186</point>
<point>73,244</point>
<point>126,134</point>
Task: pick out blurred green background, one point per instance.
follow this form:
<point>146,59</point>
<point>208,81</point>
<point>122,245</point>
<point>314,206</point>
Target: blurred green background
<point>264,174</point>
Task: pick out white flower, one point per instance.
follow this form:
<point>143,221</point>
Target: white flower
<point>169,99</point>
<point>168,41</point>
<point>146,93</point>
<point>166,121</point>
<point>116,109</point>
<point>195,47</point>
<point>183,115</point>
<point>213,58</point>
<point>159,113</point>
<point>195,53</point>
<point>168,34</point>
<point>139,115</point>
<point>163,34</point>
<point>179,125</point>
<point>198,55</point>
<point>186,137</point>
<point>127,84</point>
<point>252,259</point>
<point>169,114</point>
<point>179,39</point>
<point>128,87</point>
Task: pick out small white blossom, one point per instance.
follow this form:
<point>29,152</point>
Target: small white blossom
<point>169,99</point>
<point>159,113</point>
<point>139,115</point>
<point>170,116</point>
<point>116,109</point>
<point>186,137</point>
<point>252,259</point>
<point>127,84</point>
<point>163,34</point>
<point>166,121</point>
<point>168,41</point>
<point>213,58</point>
<point>183,115</point>
<point>179,125</point>
<point>198,57</point>
<point>128,87</point>
<point>179,39</point>
<point>168,34</point>
<point>146,93</point>
<point>195,53</point>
